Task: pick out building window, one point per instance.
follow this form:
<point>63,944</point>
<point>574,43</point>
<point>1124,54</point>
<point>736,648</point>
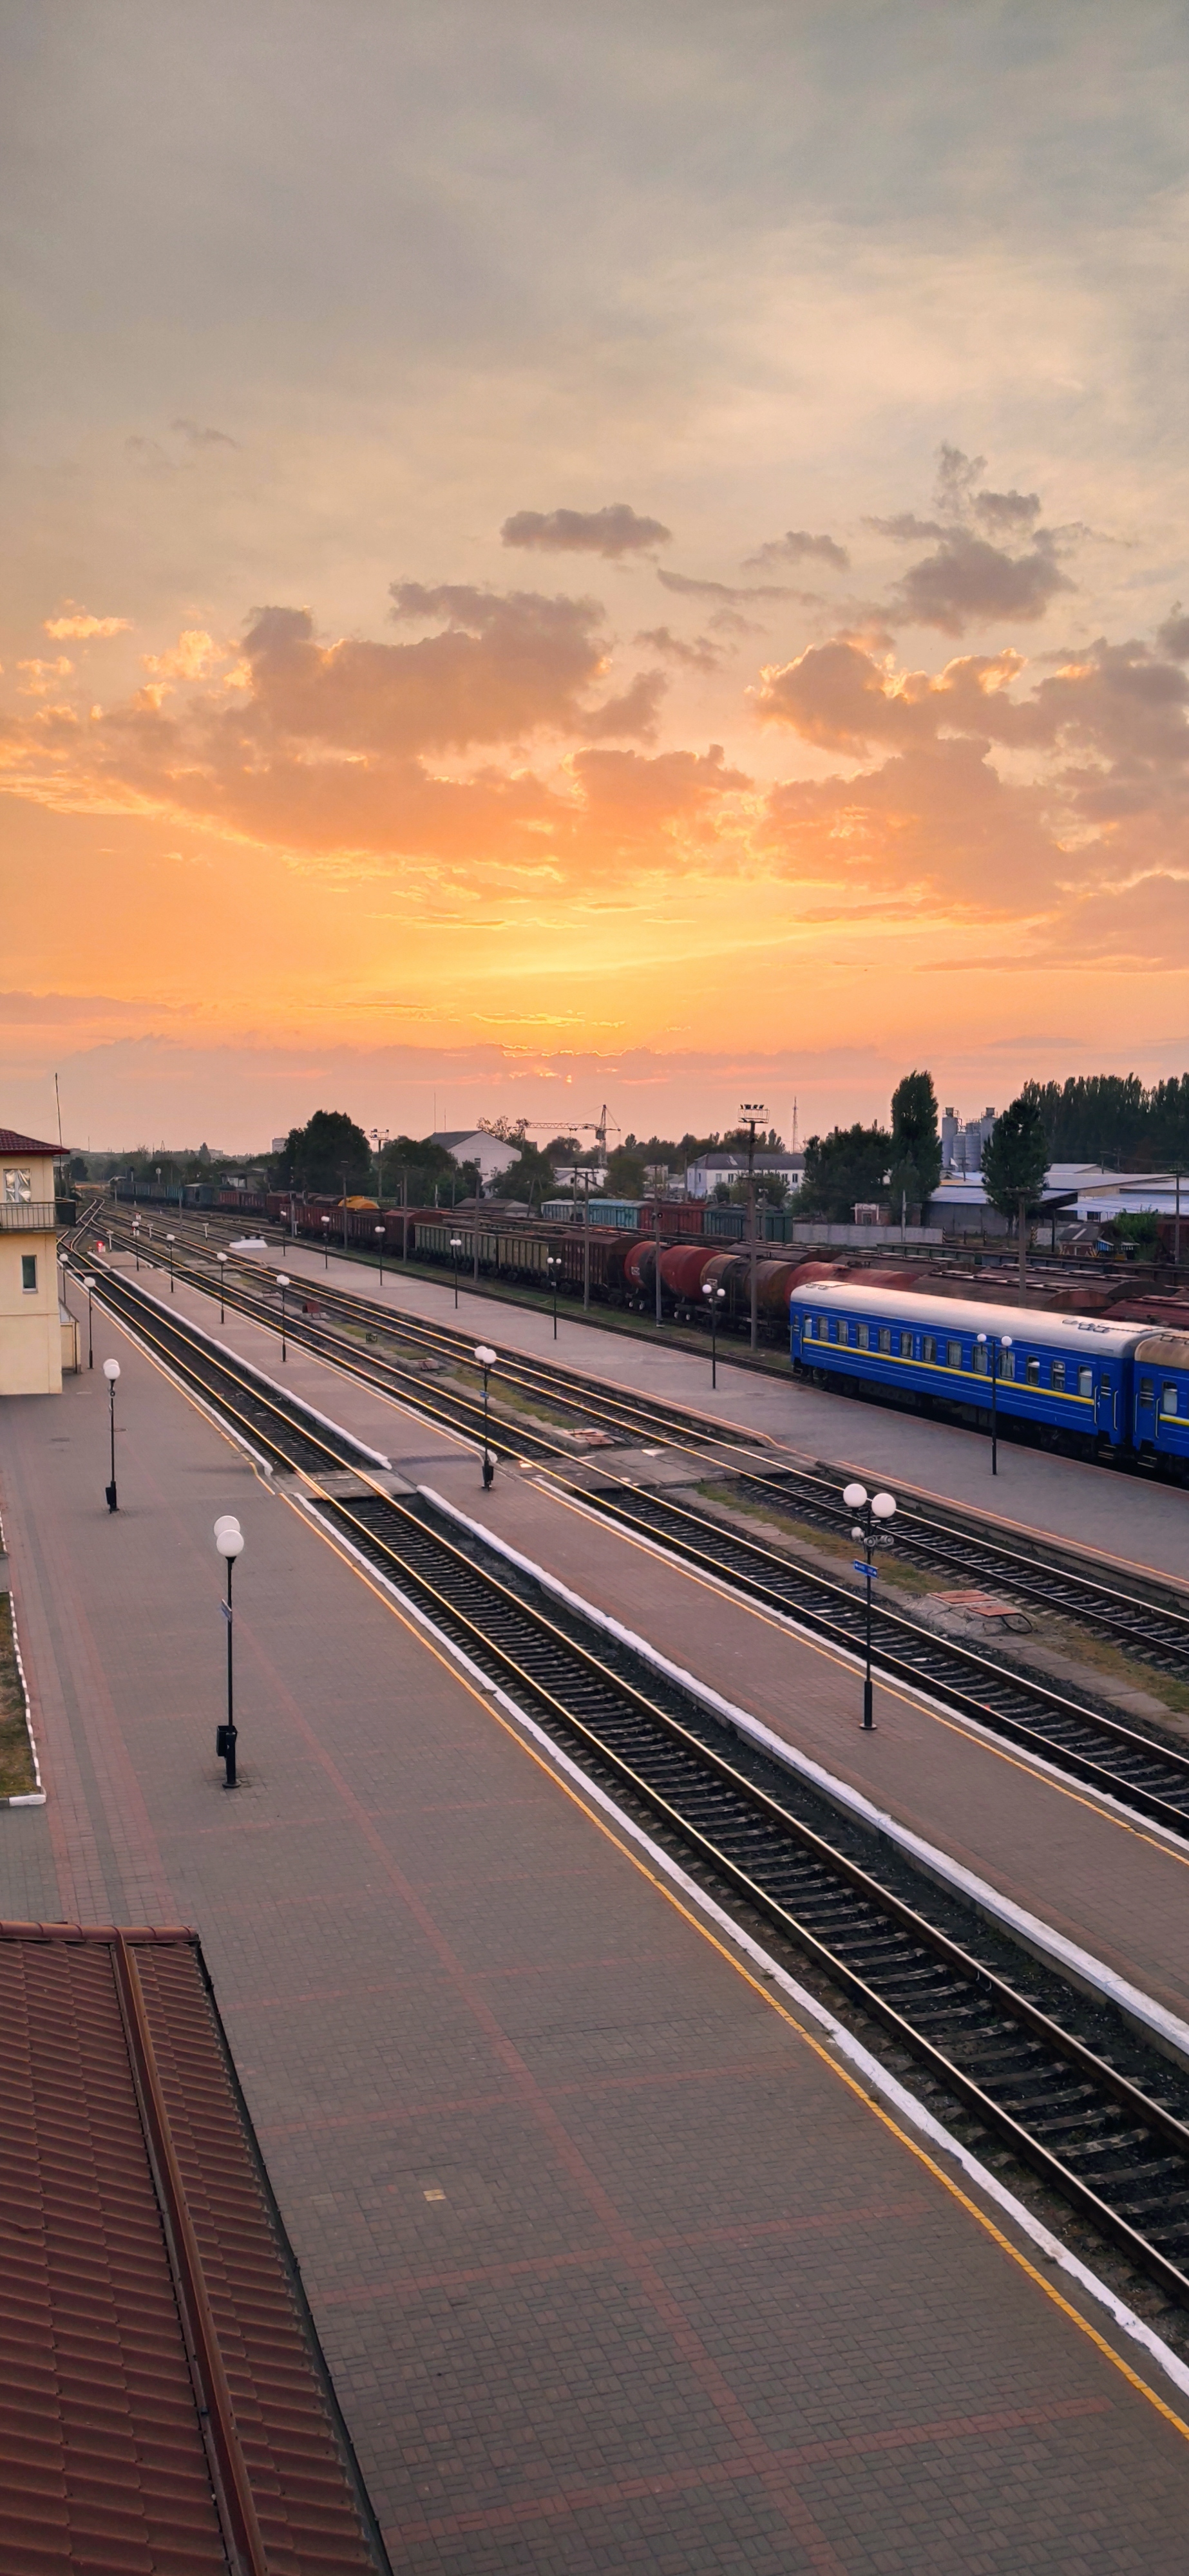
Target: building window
<point>29,1273</point>
<point>1168,1399</point>
<point>1059,1376</point>
<point>18,1186</point>
<point>1086,1382</point>
<point>955,1354</point>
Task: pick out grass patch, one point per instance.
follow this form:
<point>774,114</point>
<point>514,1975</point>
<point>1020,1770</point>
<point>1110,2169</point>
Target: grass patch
<point>787,1533</point>
<point>17,1777</point>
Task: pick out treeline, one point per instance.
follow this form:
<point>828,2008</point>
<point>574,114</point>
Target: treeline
<point>1113,1119</point>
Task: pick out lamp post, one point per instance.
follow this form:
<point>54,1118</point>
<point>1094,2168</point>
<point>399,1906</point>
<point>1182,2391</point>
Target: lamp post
<point>553,1265</point>
<point>344,1211</point>
<point>136,1239</point>
<point>455,1249</point>
<point>283,1283</point>
<point>869,1511</point>
<point>486,1361</point>
<point>170,1241</point>
<point>716,1296</point>
<point>379,1234</point>
<point>88,1284</point>
<point>221,1258</point>
<point>229,1540</point>
<point>326,1242</point>
<point>751,1111</point>
<point>994,1343</point>
<point>111,1371</point>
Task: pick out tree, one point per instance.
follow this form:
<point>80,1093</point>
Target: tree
<point>531,1177</point>
<point>316,1156</point>
<point>845,1169</point>
<point>418,1173</point>
<point>625,1174</point>
<point>1015,1159</point>
<point>916,1142</point>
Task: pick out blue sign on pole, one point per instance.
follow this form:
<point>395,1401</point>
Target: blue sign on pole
<point>871,1571</point>
<point>226,1613</point>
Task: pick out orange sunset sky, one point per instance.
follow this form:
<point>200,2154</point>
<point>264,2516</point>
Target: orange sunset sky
<point>558,554</point>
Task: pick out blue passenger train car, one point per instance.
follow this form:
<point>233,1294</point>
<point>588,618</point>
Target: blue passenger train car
<point>1078,1378</point>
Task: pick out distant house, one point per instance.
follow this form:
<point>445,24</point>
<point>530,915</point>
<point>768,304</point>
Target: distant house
<point>702,1178</point>
<point>493,1154</point>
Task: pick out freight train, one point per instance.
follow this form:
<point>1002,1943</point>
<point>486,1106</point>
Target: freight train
<point>1085,1383</point>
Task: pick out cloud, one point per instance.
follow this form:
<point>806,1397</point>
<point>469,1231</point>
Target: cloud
<point>686,588</point>
<point>614,531</point>
<point>701,655</point>
<point>192,658</point>
<point>629,799</point>
<point>796,546</point>
<point>44,676</point>
<point>198,437</point>
<point>81,626</point>
<point>1173,635</point>
<point>968,581</point>
<point>837,696</point>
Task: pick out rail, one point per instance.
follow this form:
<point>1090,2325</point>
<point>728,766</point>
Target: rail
<point>1102,2119</point>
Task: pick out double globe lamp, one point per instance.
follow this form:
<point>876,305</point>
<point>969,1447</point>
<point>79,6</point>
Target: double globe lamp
<point>870,1512</point>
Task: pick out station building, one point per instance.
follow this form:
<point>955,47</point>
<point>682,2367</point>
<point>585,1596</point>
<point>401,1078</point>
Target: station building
<point>32,1329</point>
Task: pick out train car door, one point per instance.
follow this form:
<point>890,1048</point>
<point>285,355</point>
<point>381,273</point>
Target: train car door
<point>1105,1407</point>
<point>1145,1408</point>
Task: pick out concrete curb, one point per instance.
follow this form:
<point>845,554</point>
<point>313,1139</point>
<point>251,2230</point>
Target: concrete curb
<point>1093,1975</point>
<point>874,2078</point>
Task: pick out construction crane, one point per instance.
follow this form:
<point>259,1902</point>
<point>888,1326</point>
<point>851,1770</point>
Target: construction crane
<point>596,1127</point>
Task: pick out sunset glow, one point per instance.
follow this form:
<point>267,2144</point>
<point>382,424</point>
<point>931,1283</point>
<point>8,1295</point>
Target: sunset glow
<point>628,555</point>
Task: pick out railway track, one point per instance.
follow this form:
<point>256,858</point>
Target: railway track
<point>1135,1769</point>
<point>564,1390</point>
<point>995,2039</point>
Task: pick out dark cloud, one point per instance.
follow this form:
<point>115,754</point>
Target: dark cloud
<point>1006,512</point>
<point>1173,636</point>
<point>196,436</point>
<point>797,546</point>
<point>686,588</point>
<point>969,582</point>
<point>701,655</point>
<point>614,531</point>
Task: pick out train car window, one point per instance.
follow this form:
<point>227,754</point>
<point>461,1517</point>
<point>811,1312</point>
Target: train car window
<point>1007,1364</point>
<point>929,1348</point>
<point>1168,1399</point>
<point>1147,1392</point>
<point>1104,1384</point>
<point>1085,1382</point>
<point>981,1360</point>
<point>954,1350</point>
<point>1059,1376</point>
<point>796,1323</point>
<point>1032,1371</point>
<point>906,1346</point>
<point>844,1330</point>
<point>864,1337</point>
<point>885,1338</point>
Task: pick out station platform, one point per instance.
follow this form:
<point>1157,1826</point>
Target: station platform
<point>1124,1517</point>
<point>613,2267</point>
<point>1115,1888</point>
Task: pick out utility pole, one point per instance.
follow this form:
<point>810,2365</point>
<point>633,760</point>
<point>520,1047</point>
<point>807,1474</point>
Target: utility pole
<point>750,1112</point>
<point>586,1239</point>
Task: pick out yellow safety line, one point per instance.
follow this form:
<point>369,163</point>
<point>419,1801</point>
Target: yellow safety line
<point>423,1638</point>
<point>483,1701</point>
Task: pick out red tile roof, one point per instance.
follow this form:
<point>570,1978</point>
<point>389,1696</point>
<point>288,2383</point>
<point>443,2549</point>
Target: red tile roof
<point>11,1143</point>
<point>164,2404</point>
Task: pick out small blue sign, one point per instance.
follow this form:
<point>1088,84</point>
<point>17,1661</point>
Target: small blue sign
<point>225,1611</point>
<point>871,1571</point>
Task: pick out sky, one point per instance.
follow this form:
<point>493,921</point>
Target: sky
<point>561,555</point>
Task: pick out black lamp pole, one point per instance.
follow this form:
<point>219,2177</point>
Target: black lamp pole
<point>870,1511</point>
<point>455,1240</point>
<point>169,1240</point>
<point>88,1285</point>
<point>111,1371</point>
<point>380,1248</point>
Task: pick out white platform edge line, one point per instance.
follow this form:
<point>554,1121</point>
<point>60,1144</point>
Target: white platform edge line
<point>25,1797</point>
<point>1064,1953</point>
<point>913,1692</point>
<point>875,2078</point>
<point>375,1457</point>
